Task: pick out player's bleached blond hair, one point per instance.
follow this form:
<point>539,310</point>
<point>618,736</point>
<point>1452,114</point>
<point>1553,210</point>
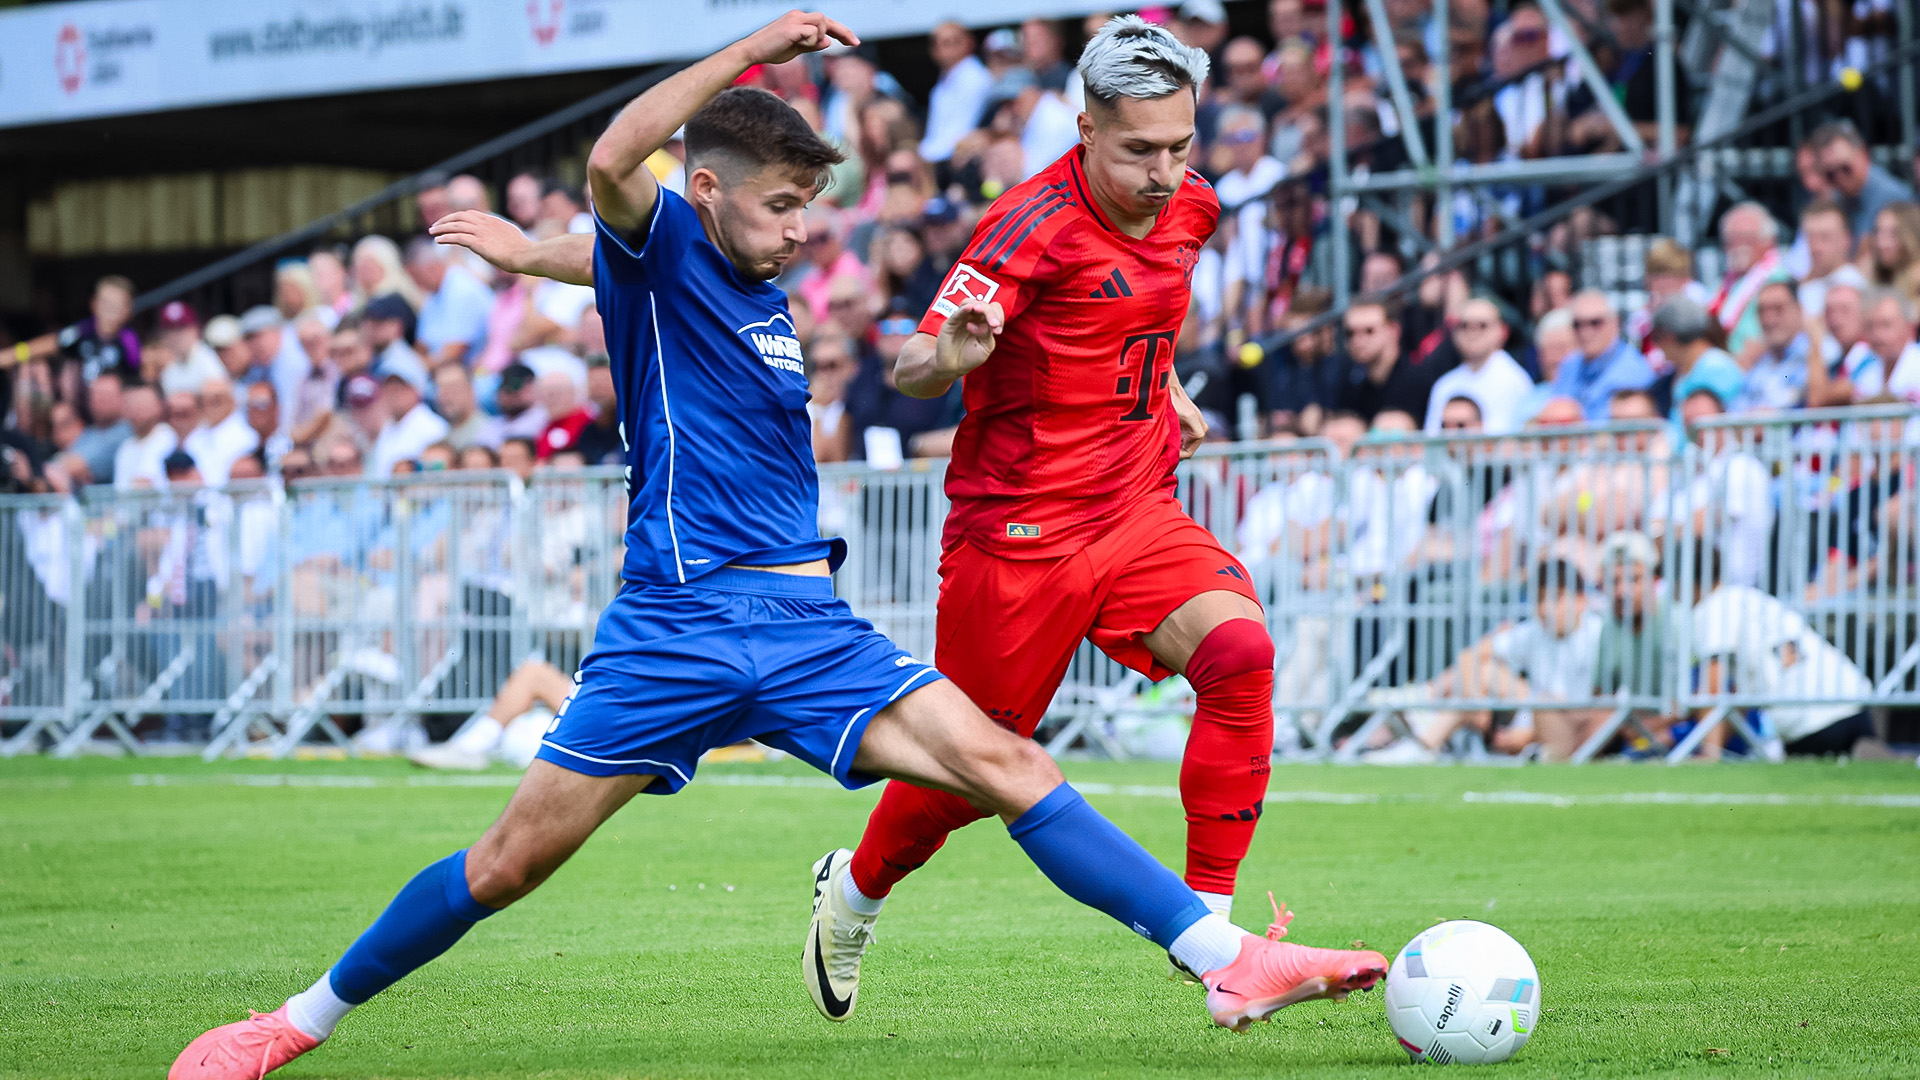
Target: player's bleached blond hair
<point>1131,57</point>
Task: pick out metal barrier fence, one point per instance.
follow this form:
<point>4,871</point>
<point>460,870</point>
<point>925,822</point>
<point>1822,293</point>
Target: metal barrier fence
<point>1408,582</point>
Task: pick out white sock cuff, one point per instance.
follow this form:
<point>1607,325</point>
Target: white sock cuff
<point>317,1010</point>
<point>860,902</point>
<point>1220,904</point>
<point>1207,945</point>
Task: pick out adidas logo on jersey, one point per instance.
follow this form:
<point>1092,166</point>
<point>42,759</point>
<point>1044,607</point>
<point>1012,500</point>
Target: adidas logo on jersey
<point>1114,287</point>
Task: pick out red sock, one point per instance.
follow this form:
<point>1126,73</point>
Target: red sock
<point>1223,777</point>
<point>904,831</point>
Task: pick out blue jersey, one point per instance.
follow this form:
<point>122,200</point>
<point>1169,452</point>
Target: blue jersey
<point>713,397</point>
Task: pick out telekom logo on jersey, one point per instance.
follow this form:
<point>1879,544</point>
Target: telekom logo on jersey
<point>964,284</point>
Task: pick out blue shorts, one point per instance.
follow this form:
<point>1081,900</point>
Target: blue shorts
<point>677,670</point>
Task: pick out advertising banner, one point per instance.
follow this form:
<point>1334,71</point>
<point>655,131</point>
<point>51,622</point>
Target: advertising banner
<point>106,57</point>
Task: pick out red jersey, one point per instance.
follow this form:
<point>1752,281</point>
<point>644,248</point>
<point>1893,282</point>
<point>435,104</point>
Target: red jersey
<point>1068,423</point>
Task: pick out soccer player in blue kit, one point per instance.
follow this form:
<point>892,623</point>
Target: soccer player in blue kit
<point>726,627</point>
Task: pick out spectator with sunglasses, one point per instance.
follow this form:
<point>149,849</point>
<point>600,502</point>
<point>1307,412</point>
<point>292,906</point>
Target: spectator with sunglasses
<point>1603,362</point>
<point>1487,377</point>
<point>1861,188</point>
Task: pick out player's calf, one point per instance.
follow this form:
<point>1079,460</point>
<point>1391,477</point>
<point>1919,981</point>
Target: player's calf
<point>1223,775</point>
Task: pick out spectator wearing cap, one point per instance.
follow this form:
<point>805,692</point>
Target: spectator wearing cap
<point>1602,363</point>
<point>278,351</point>
<point>1828,237</point>
<point>600,442</point>
<point>1002,51</point>
<point>1861,188</point>
<point>223,343</point>
<point>521,414</point>
<point>1683,330</point>
<point>1487,374</point>
<point>222,435</point>
<point>953,107</point>
<point>411,425</point>
<point>567,417</point>
<point>1202,24</point>
<point>99,443</point>
<point>139,460</point>
<point>467,425</point>
<point>366,415</point>
<point>453,317</point>
<point>1749,236</point>
<point>945,231</point>
<point>193,357</point>
<point>388,324</point>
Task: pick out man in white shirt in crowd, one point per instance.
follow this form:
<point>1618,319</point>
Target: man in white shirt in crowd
<point>222,435</point>
<point>1751,645</point>
<point>1891,320</point>
<point>179,330</point>
<point>1778,378</point>
<point>411,426</point>
<point>1487,374</point>
<point>953,108</point>
<point>263,416</point>
<point>140,461</point>
<point>1729,499</point>
<point>1545,659</point>
<point>453,317</point>
<point>1823,225</point>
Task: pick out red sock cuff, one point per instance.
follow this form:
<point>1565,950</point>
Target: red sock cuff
<point>1235,647</point>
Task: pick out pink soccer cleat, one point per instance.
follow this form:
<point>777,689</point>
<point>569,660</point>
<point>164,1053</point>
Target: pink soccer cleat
<point>244,1050</point>
<point>1270,974</point>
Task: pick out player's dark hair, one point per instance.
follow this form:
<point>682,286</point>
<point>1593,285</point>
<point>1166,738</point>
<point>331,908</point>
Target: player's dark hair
<point>1557,575</point>
<point>746,129</point>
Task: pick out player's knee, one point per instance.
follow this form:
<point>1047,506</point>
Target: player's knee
<point>497,877</point>
<point>1236,650</point>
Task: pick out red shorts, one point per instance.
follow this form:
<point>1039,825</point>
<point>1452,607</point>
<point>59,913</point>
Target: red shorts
<point>1007,628</point>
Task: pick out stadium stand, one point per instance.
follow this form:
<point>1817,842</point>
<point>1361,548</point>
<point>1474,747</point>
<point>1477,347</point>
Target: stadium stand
<point>1619,263</point>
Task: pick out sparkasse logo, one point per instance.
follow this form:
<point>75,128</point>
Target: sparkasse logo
<point>70,58</point>
<point>543,18</point>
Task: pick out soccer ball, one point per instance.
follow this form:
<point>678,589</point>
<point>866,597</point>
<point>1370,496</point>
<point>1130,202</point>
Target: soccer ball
<point>1463,992</point>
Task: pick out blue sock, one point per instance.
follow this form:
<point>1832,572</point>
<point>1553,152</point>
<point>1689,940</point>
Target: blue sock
<point>430,913</point>
<point>1091,860</point>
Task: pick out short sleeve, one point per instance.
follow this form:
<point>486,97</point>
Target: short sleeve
<point>1012,284</point>
<point>654,254</point>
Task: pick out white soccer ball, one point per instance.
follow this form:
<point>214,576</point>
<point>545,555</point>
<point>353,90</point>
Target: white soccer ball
<point>1463,992</point>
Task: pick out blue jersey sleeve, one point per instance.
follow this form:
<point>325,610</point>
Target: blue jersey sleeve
<point>652,255</point>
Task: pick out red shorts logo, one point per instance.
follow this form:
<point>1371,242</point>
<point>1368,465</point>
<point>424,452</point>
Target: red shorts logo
<point>69,58</point>
<point>964,283</point>
<point>545,26</point>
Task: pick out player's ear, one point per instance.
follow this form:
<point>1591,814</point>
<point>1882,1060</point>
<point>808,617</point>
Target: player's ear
<point>1086,128</point>
<point>703,187</point>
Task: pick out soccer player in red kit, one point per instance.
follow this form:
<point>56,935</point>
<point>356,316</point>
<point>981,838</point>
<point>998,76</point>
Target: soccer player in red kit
<point>1061,315</point>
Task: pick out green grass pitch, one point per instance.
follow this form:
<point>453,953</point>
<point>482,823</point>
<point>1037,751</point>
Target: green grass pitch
<point>1713,937</point>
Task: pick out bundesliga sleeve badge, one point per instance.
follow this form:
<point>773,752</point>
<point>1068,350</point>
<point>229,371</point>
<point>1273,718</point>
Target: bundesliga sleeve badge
<point>964,283</point>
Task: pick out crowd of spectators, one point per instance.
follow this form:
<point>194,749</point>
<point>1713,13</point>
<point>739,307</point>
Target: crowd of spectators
<point>400,355</point>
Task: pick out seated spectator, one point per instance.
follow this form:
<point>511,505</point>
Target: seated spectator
<point>467,425</point>
<point>1861,188</point>
<point>1838,332</point>
<point>388,323</point>
<point>1890,255</point>
<point>140,460</point>
<point>1603,362</point>
<point>521,414</point>
<point>100,342</point>
<point>1669,272</point>
<point>830,369</point>
<point>221,437</point>
<point>1546,659</point>
<point>1757,646</point>
<point>566,416</point>
<point>823,259</point>
<point>377,271</point>
<point>294,293</point>
<point>411,426</point>
<point>1377,378</point>
<point>192,358</point>
<point>1487,375</point>
<point>1829,240</point>
<point>1730,500</point>
<point>263,417</point>
<point>453,315</point>
<point>1553,342</point>
<point>1683,330</point>
<point>1307,376</point>
<point>1632,653</point>
<point>954,104</point>
<point>600,442</point>
<point>1885,347</point>
<point>1748,236</point>
<point>482,742</point>
<point>1777,380</point>
<point>98,443</point>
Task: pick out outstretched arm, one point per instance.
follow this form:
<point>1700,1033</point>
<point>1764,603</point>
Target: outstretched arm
<point>568,257</point>
<point>623,189</point>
